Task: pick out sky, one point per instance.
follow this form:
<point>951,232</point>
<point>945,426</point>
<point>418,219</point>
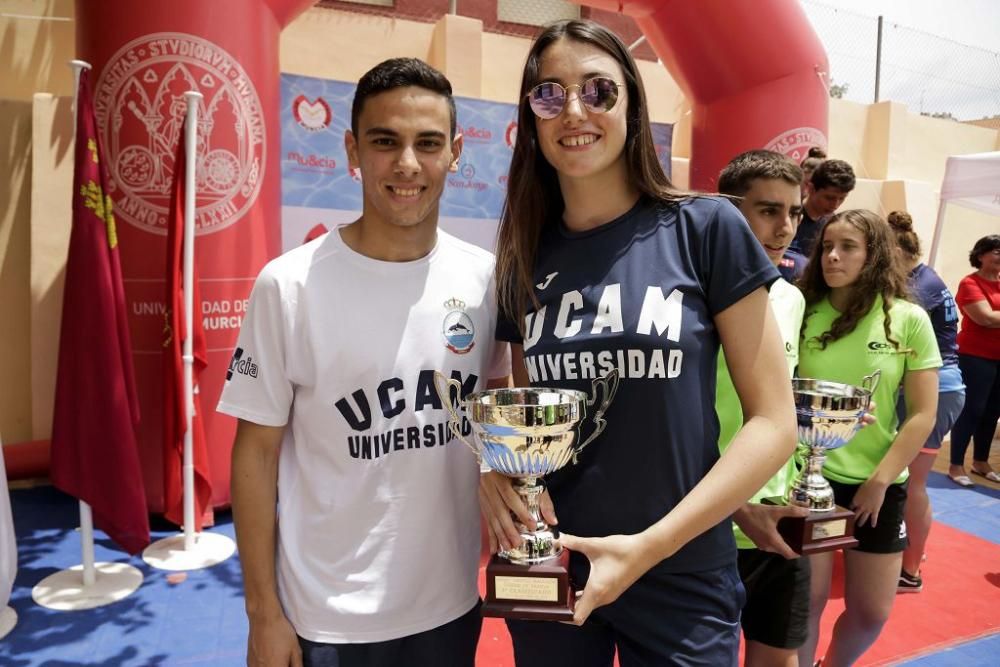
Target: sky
<point>929,74</point>
<point>974,22</point>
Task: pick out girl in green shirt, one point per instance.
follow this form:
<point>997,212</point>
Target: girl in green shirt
<point>857,321</point>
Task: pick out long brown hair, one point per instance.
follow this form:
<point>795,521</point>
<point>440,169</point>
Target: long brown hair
<point>882,274</point>
<point>534,198</point>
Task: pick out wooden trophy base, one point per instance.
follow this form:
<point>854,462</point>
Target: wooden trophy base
<point>818,531</point>
<point>539,592</point>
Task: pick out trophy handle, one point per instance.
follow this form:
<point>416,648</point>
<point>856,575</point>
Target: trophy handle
<point>870,382</point>
<point>609,386</point>
<point>454,419</point>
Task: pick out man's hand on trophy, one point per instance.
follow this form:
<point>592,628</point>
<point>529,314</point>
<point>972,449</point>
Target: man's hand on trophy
<point>616,562</point>
<point>760,524</point>
<point>497,500</point>
<point>868,418</point>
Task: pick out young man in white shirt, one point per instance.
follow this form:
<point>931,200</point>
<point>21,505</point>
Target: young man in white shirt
<point>356,511</point>
<point>765,187</point>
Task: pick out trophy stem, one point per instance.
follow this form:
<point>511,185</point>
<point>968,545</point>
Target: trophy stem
<point>529,489</point>
<point>810,489</point>
<point>537,541</point>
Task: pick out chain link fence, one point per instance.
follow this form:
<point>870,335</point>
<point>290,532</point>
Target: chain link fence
<point>515,18</point>
<point>536,12</point>
<point>931,75</point>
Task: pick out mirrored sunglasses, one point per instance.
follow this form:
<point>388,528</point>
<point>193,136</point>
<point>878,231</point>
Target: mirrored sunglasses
<point>598,95</point>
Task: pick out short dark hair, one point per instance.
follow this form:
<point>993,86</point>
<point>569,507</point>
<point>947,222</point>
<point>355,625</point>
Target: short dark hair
<point>983,246</point>
<point>834,174</point>
<point>738,176</point>
<point>400,73</point>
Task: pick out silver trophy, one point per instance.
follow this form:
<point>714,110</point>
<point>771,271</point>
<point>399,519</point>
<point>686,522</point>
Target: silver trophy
<point>525,434</point>
<point>829,414</point>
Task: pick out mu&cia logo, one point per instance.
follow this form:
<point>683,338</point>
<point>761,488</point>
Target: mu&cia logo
<point>510,134</point>
<point>457,328</point>
<point>312,115</point>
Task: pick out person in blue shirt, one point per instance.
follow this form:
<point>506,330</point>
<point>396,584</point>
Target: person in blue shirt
<point>813,159</point>
<point>792,265</point>
<point>603,264</point>
<point>928,290</point>
<point>827,188</point>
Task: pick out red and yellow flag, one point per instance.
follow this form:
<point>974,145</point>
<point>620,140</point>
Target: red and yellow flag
<point>95,454</point>
<point>175,415</point>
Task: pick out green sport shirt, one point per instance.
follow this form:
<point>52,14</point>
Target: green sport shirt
<point>788,305</point>
<point>860,353</point>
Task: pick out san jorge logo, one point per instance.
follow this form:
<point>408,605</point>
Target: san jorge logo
<point>795,144</point>
<point>878,347</point>
<point>141,110</point>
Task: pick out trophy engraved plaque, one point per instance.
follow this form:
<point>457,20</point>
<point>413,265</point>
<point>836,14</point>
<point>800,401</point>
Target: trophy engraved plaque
<point>829,414</point>
<point>525,434</point>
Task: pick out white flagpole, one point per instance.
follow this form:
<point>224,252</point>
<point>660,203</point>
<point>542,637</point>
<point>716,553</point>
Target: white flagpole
<point>189,550</point>
<point>61,591</point>
<point>86,518</point>
<point>193,98</point>
<point>938,229</point>
<point>942,206</point>
<point>8,554</point>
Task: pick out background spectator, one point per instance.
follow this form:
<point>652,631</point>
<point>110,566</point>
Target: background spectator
<point>979,358</point>
<point>928,290</point>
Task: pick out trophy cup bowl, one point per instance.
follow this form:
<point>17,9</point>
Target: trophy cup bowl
<point>828,414</point>
<point>526,433</point>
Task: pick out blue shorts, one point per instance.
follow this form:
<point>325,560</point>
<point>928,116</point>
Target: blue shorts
<point>662,619</point>
<point>950,405</point>
<point>450,645</point>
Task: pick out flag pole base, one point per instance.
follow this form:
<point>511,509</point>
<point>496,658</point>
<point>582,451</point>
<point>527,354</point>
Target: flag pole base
<point>169,553</point>
<point>65,591</point>
<point>8,619</point>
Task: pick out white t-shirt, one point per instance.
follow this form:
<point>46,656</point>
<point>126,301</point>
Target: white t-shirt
<point>788,305</point>
<point>378,517</point>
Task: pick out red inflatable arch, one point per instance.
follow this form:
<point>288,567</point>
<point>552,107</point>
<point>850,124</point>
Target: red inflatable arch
<point>754,72</point>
